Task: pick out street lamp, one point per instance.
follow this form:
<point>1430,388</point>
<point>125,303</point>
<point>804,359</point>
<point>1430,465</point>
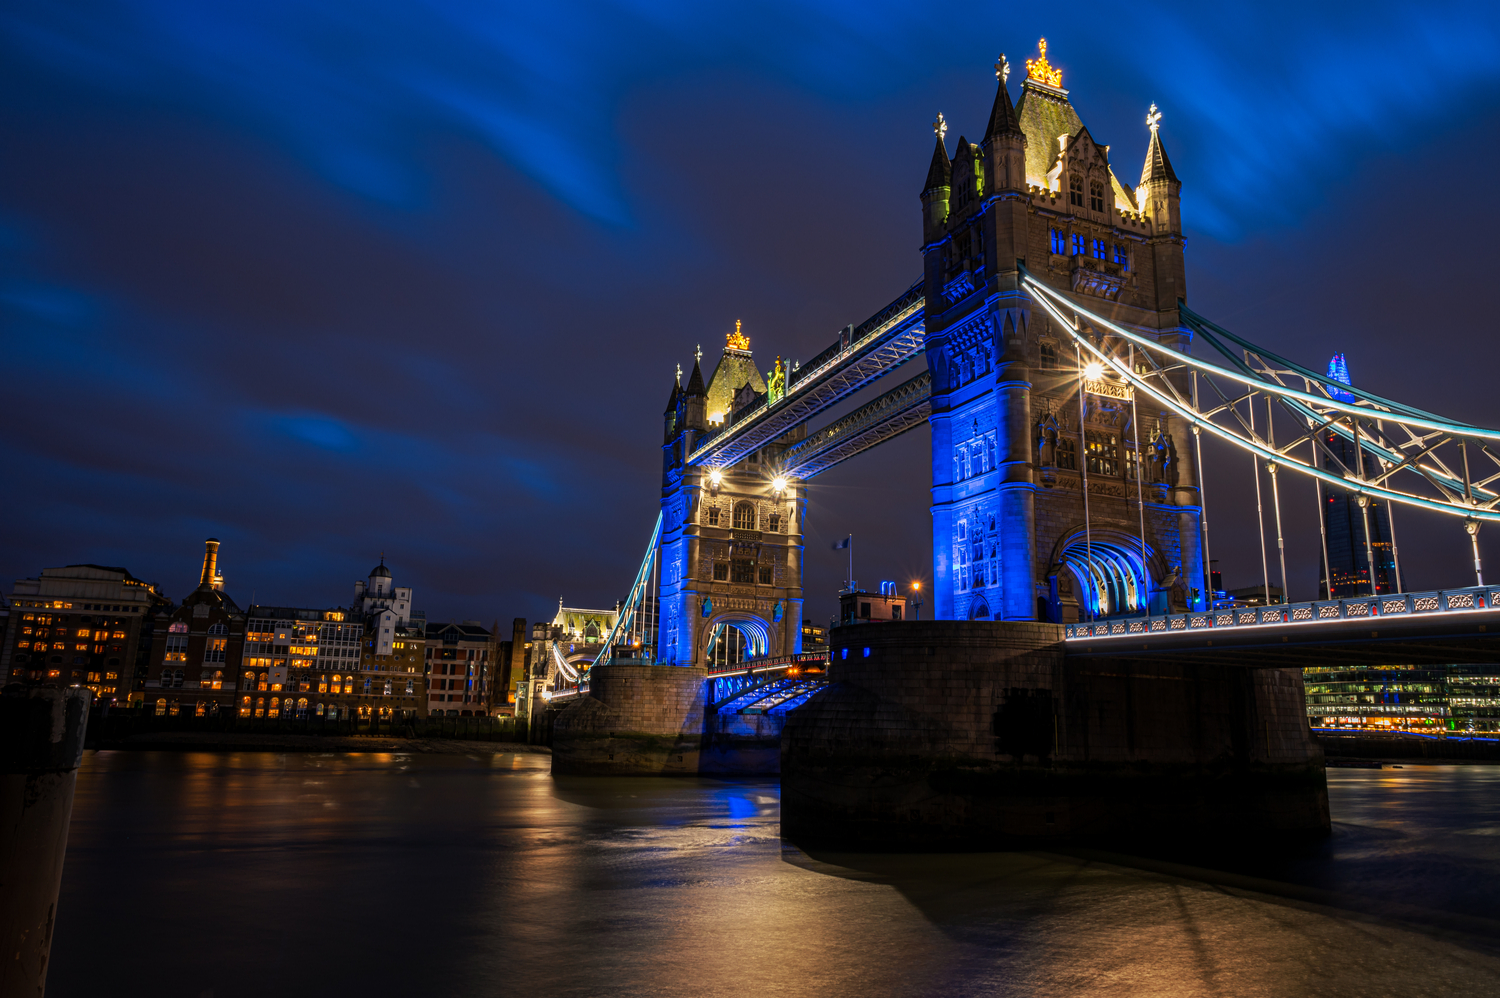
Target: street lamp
<point>715,478</point>
<point>916,600</point>
<point>1093,370</point>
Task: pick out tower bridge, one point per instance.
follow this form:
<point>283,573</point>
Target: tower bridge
<point>1068,390</point>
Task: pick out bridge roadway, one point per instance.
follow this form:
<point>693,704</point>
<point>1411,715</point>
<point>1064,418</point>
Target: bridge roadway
<point>1439,627</point>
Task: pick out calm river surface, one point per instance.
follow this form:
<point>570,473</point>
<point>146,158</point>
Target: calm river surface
<point>250,874</point>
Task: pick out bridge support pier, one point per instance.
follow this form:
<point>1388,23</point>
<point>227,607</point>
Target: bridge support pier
<point>978,734</point>
<point>637,720</point>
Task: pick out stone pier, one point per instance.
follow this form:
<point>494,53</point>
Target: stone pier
<point>636,720</point>
<point>981,734</point>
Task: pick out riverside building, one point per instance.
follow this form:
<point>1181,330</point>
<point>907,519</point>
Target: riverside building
<point>197,649</point>
<point>299,662</point>
<point>82,625</point>
<point>461,660</point>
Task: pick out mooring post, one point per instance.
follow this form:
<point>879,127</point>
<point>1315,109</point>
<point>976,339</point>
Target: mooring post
<point>41,745</point>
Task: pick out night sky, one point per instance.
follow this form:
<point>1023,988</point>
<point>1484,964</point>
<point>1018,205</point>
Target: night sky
<point>325,279</point>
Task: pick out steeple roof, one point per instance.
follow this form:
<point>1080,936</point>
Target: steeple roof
<point>1045,114</point>
<point>940,173</point>
<point>1158,167</point>
<point>1003,118</point>
<point>695,383</point>
<point>672,399</point>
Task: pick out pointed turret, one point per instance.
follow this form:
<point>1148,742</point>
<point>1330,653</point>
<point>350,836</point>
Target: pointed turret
<point>1004,139</point>
<point>1003,118</point>
<point>672,399</point>
<point>940,173</point>
<point>1160,192</point>
<point>936,191</point>
<point>1158,167</point>
<point>695,384</point>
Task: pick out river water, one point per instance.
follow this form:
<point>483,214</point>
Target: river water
<point>249,874</point>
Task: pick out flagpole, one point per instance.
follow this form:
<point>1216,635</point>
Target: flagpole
<point>851,562</point>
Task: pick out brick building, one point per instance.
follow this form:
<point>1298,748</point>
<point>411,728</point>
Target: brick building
<point>82,625</point>
<point>461,660</point>
<point>197,649</point>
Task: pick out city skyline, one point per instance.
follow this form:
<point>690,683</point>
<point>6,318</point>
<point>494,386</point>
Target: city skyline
<point>349,306</point>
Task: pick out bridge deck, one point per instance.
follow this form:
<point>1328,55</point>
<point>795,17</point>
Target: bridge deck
<point>1426,628</point>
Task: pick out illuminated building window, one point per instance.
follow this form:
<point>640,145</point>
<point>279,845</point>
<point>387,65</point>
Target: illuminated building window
<point>1067,453</point>
<point>1100,250</point>
<point>215,651</point>
<point>1122,256</point>
<point>260,706</point>
<point>1077,244</point>
<point>1096,196</point>
<point>111,676</point>
<point>367,684</point>
<point>248,682</point>
<point>744,516</point>
<point>302,705</point>
<point>244,706</point>
<point>1075,189</point>
<point>1059,241</point>
<point>275,709</point>
<point>161,707</point>
<point>409,687</point>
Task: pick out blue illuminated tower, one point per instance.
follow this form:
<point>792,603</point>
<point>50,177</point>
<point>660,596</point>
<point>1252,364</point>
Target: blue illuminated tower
<point>1013,537</point>
<point>1347,572</point>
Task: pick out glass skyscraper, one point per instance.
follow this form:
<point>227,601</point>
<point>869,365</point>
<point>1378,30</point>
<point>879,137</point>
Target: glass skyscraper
<point>1347,571</point>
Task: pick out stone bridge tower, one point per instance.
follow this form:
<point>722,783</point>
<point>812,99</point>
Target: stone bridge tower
<point>1015,536</point>
<point>731,543</point>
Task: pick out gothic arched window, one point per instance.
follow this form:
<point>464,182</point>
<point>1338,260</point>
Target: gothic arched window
<point>744,516</point>
<point>1075,189</point>
<point>1096,196</point>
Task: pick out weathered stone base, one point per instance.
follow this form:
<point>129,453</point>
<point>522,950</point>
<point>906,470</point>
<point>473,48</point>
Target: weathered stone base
<point>743,744</point>
<point>637,720</point>
<point>982,735</point>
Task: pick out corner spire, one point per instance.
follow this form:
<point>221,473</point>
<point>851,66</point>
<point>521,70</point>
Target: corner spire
<point>940,173</point>
<point>1003,119</point>
<point>1158,167</point>
<point>695,384</point>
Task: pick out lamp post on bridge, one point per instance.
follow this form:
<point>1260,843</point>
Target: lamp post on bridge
<point>916,600</point>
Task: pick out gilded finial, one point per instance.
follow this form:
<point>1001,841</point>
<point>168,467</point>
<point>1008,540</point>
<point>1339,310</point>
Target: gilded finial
<point>699,355</point>
<point>940,126</point>
<point>1153,118</point>
<point>1041,70</point>
<point>1002,69</point>
<point>737,340</point>
<point>679,375</point>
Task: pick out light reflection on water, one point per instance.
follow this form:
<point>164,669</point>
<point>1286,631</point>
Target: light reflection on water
<point>256,873</point>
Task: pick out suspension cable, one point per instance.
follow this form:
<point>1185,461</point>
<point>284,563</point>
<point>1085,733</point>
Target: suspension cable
<point>1208,577</point>
<point>1322,529</point>
<point>1482,513</point>
<point>1276,500</point>
<point>1083,470</point>
<point>1260,515</point>
<point>1140,496</point>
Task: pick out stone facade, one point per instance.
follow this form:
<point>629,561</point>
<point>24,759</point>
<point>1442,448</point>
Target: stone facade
<point>641,720</point>
<point>731,541</point>
<point>1011,444</point>
<point>981,733</point>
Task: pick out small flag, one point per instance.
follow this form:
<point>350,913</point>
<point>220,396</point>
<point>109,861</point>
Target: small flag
<point>840,545</point>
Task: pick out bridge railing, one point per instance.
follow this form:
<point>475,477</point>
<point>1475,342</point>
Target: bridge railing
<point>1317,611</point>
<point>800,660</point>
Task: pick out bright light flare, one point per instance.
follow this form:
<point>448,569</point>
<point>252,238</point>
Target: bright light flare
<point>778,484</point>
<point>716,478</point>
<point>1093,370</point>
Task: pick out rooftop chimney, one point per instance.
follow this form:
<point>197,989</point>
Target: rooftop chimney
<point>210,563</point>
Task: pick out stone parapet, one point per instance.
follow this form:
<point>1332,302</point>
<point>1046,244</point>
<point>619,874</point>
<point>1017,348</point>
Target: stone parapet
<point>975,734</point>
